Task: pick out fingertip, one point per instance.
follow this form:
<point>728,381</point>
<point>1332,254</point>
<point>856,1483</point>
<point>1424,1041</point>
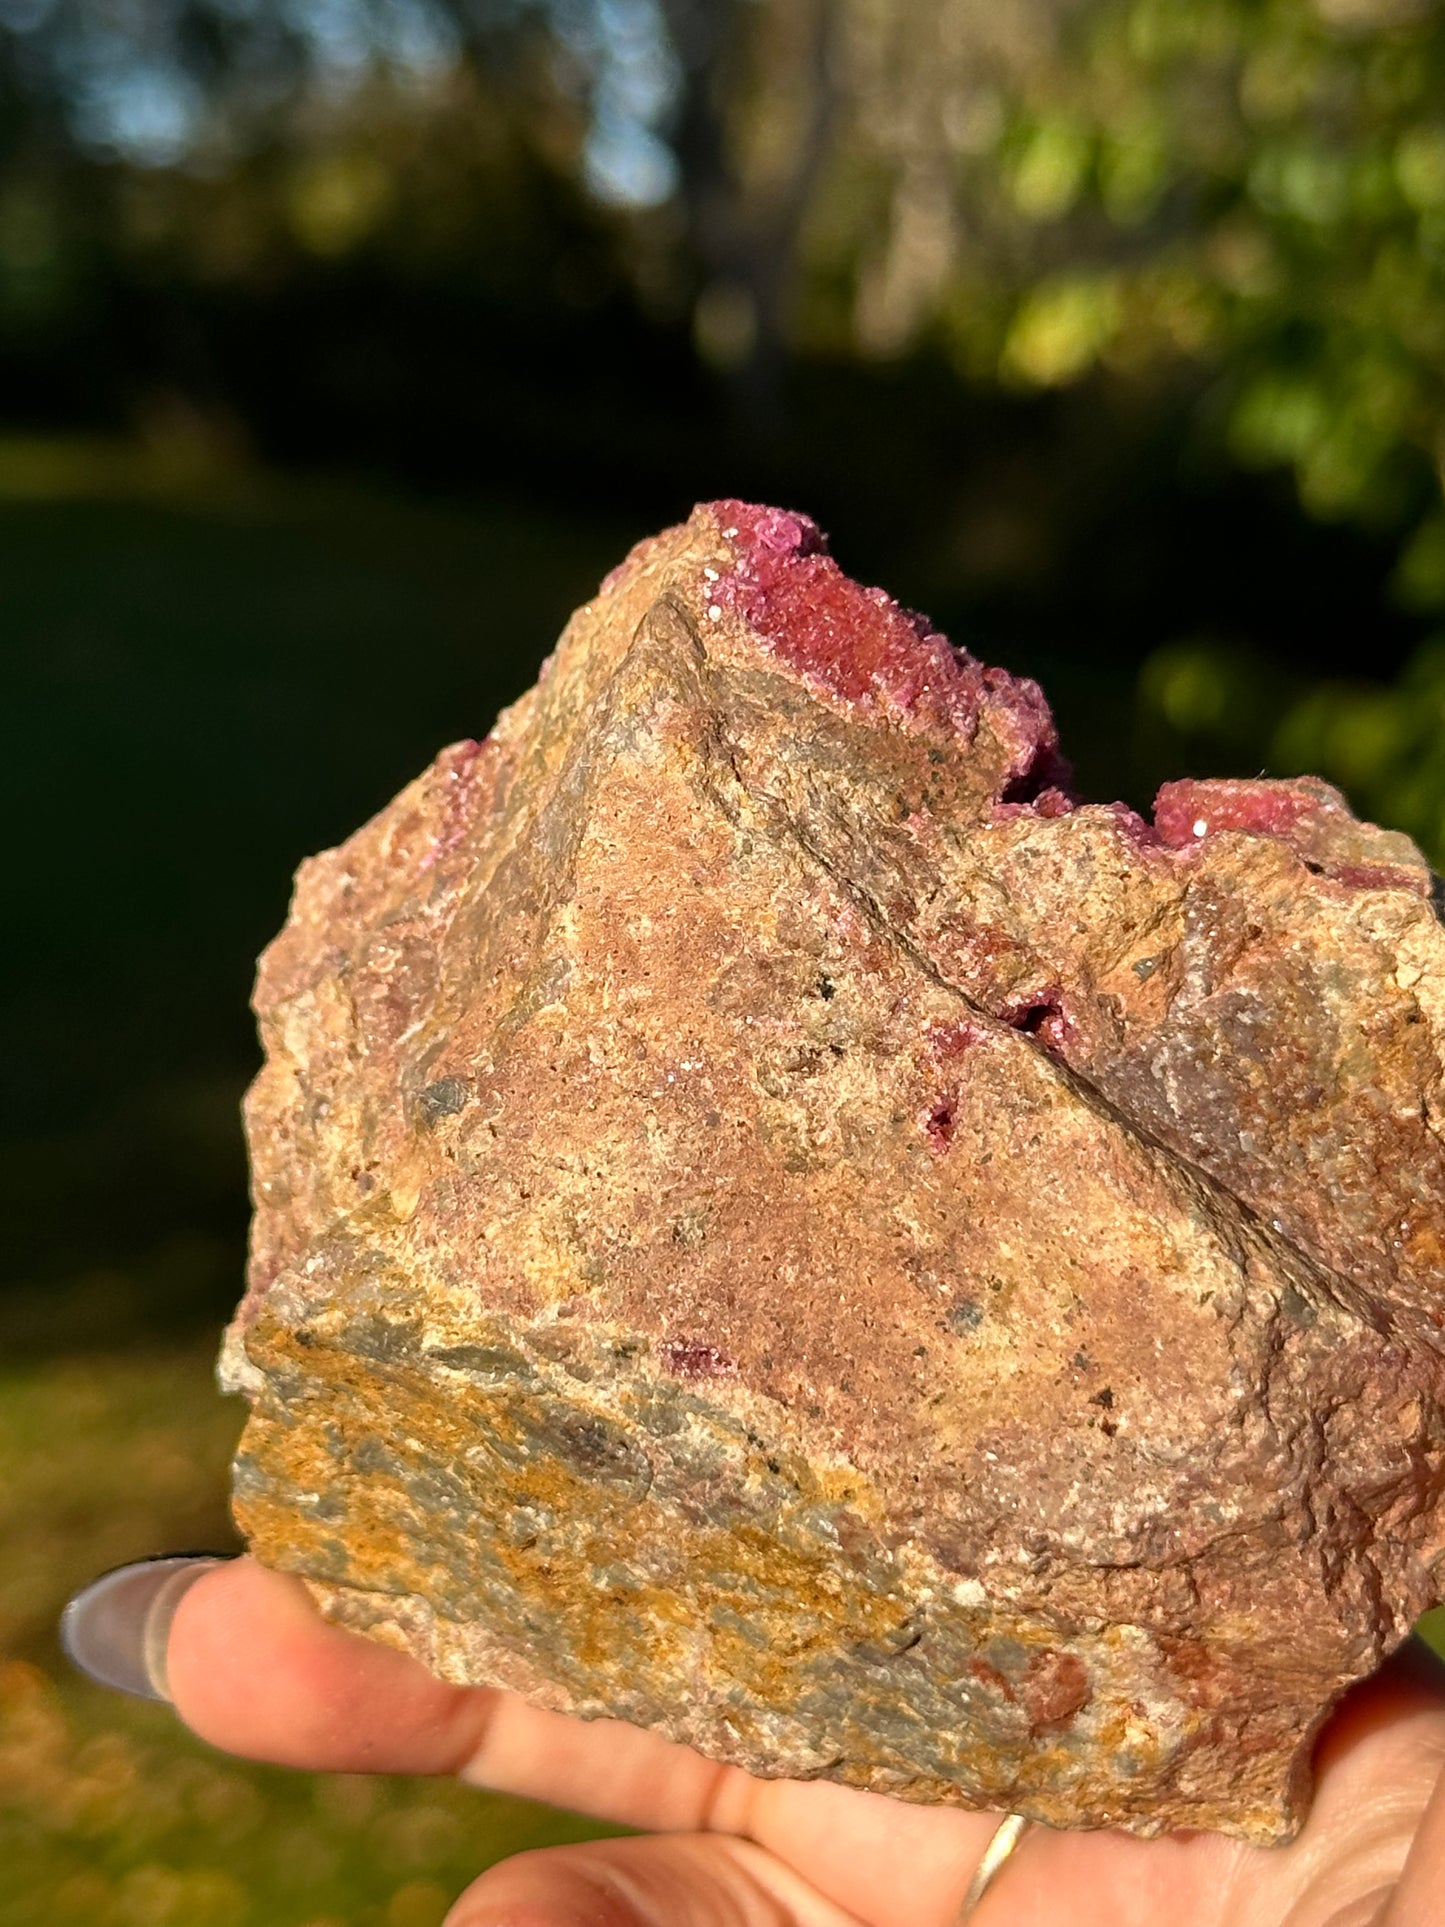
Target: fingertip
<point>254,1669</point>
<point>241,1639</point>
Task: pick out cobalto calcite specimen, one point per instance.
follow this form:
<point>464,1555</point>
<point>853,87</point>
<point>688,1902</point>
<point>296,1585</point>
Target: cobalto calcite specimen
<point>774,1223</point>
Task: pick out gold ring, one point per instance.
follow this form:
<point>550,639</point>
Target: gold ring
<point>1006,1837</point>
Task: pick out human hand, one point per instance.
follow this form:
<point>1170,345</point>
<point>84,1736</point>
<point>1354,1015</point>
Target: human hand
<point>251,1666</point>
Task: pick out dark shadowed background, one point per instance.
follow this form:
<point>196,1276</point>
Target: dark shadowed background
<point>344,344</point>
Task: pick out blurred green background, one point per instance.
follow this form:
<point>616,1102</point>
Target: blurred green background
<point>344,344</point>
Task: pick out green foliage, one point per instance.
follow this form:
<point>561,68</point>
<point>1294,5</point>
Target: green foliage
<point>1247,196</point>
<point>1385,746</point>
<point>1239,201</point>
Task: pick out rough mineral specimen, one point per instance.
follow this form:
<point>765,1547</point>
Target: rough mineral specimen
<point>775,1223</point>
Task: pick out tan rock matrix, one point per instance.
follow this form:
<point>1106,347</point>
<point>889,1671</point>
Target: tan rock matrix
<point>775,1223</point>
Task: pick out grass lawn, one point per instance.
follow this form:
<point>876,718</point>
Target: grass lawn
<point>110,1814</point>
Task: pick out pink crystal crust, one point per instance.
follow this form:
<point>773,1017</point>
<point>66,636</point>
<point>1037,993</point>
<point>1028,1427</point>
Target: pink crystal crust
<point>1307,814</point>
<point>1187,810</point>
<point>861,647</point>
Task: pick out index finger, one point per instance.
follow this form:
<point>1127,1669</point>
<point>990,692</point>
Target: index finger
<point>253,1668</point>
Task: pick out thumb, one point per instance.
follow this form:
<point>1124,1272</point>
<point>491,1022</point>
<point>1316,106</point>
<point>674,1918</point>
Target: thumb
<point>668,1880</point>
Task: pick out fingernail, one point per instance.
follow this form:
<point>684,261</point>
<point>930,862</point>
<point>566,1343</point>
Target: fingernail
<point>115,1629</point>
